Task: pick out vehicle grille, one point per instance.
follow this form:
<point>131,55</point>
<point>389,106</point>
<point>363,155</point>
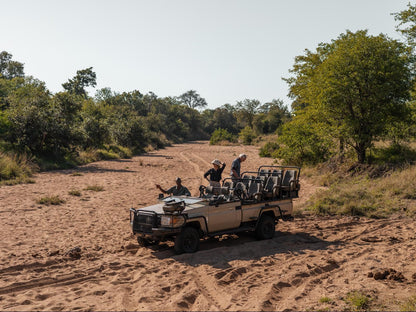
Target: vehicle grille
<point>144,222</point>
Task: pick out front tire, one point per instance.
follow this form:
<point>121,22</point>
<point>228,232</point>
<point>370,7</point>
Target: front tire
<point>187,241</point>
<point>265,228</point>
<point>143,242</point>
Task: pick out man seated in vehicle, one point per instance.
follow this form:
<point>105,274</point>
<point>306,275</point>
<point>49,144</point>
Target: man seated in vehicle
<point>177,190</point>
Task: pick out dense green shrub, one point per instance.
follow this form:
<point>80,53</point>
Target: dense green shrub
<point>301,143</point>
<point>220,135</point>
<point>247,135</point>
<point>269,149</point>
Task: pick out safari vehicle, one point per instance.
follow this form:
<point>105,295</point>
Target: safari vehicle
<point>254,203</point>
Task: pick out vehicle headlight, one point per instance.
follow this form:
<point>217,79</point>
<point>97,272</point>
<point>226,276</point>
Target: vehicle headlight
<point>172,221</point>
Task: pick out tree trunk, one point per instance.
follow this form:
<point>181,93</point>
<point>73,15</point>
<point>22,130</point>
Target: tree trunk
<point>361,149</point>
<point>341,150</point>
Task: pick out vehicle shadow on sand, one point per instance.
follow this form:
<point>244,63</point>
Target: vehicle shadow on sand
<point>244,246</point>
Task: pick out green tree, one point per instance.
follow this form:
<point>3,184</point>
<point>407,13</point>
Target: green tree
<point>95,125</point>
<point>246,110</point>
<point>30,116</point>
<point>358,85</point>
<point>126,128</point>
<point>271,116</point>
<point>220,117</point>
<point>104,94</point>
<point>10,69</point>
<point>192,99</point>
<point>407,23</point>
<point>84,78</point>
<point>303,140</point>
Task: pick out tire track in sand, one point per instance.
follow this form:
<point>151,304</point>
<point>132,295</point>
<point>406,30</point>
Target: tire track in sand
<point>198,171</point>
<point>67,279</point>
<point>207,293</point>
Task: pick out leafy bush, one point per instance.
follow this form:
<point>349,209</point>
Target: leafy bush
<point>247,135</point>
<point>269,149</point>
<point>104,154</point>
<point>122,152</point>
<point>14,167</point>
<point>108,152</point>
<point>325,300</point>
<point>301,144</point>
<point>220,135</point>
<point>357,300</point>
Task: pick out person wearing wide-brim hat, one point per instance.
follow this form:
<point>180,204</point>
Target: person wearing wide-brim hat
<point>215,173</point>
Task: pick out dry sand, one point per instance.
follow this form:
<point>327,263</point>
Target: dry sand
<point>309,258</point>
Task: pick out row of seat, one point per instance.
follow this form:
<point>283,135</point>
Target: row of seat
<point>270,172</point>
<point>269,184</point>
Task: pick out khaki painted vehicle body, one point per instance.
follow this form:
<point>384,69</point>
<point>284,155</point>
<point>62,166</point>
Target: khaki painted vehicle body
<point>254,203</point>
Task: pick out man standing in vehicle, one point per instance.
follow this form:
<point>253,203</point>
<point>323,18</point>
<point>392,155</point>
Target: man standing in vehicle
<point>236,166</point>
<point>177,190</point>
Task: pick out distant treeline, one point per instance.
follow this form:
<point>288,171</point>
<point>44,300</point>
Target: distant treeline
<point>59,127</point>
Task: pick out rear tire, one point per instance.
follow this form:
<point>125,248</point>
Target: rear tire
<point>187,241</point>
<point>265,228</point>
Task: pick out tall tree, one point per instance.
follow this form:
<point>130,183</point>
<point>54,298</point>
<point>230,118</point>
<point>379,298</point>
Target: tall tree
<point>247,109</point>
<point>192,99</point>
<point>84,78</point>
<point>407,23</point>
<point>359,87</point>
<point>10,69</point>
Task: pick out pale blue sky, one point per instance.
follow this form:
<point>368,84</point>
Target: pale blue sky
<point>226,50</point>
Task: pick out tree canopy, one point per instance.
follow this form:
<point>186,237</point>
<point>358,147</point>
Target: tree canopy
<point>84,78</point>
<point>358,84</point>
<point>192,99</point>
<point>10,69</point>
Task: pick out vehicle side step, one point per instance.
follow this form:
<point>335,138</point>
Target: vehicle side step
<point>232,231</point>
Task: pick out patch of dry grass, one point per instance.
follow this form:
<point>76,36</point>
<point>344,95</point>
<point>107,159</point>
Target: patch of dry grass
<point>409,304</point>
<point>361,195</point>
<point>74,192</point>
<point>50,200</point>
<point>16,169</point>
<point>95,188</point>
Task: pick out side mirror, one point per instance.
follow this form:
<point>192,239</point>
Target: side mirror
<point>160,196</point>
